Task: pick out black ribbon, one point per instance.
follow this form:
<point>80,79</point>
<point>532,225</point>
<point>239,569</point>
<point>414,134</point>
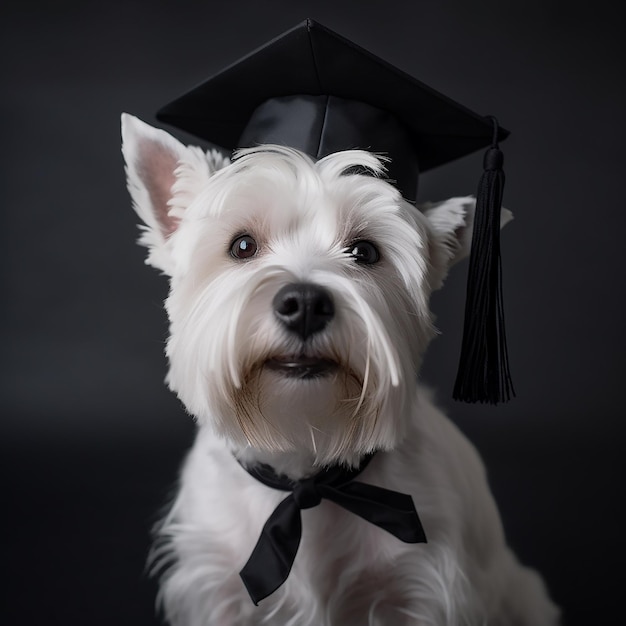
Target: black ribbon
<point>272,558</point>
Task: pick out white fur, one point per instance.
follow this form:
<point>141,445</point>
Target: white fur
<point>304,217</point>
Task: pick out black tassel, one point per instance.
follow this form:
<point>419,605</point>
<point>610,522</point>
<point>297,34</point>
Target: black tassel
<point>484,374</point>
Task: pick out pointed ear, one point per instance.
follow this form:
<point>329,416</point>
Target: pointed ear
<point>452,223</point>
<point>163,177</point>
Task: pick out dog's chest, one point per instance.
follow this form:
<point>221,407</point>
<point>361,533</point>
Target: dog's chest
<point>229,508</point>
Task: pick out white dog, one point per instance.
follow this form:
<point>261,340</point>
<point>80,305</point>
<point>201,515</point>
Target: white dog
<point>299,316</point>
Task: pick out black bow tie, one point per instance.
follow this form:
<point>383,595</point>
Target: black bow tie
<point>272,558</point>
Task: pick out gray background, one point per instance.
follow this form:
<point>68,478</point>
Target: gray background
<point>91,439</point>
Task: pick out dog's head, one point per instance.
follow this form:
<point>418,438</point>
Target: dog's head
<point>299,289</point>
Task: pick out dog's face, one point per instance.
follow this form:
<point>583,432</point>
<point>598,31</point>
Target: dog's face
<point>299,290</point>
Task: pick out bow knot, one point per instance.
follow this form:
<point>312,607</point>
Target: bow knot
<point>306,494</point>
<point>272,558</point>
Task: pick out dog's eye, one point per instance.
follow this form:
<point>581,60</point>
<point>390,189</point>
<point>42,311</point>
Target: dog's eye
<point>365,252</point>
<point>243,247</point>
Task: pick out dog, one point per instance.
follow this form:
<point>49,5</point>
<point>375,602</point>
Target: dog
<point>299,317</point>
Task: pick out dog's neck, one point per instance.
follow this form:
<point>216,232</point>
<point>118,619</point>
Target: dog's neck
<point>296,465</point>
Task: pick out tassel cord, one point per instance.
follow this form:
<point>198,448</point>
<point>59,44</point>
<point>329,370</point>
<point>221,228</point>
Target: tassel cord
<point>484,374</point>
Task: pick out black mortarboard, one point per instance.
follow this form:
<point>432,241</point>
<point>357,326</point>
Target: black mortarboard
<point>314,90</point>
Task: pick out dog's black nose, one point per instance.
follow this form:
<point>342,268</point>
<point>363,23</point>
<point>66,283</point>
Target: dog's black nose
<point>303,308</point>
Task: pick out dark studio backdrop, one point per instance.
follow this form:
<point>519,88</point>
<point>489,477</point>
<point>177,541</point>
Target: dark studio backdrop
<point>90,438</point>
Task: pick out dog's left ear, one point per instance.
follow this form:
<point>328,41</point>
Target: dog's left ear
<point>452,223</point>
<point>163,177</point>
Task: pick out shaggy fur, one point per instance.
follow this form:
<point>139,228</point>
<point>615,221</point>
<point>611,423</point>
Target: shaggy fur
<point>306,218</point>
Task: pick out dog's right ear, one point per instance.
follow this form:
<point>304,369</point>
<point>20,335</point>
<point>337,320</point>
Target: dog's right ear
<point>163,177</point>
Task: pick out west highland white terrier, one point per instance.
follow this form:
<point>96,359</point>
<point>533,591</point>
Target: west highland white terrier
<point>299,315</point>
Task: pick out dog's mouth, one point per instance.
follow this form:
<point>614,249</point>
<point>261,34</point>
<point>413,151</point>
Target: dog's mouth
<point>302,366</point>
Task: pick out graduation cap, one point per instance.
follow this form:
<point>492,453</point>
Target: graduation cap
<point>313,90</point>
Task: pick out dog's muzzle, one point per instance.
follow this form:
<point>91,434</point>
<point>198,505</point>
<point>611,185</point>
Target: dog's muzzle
<point>303,309</point>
